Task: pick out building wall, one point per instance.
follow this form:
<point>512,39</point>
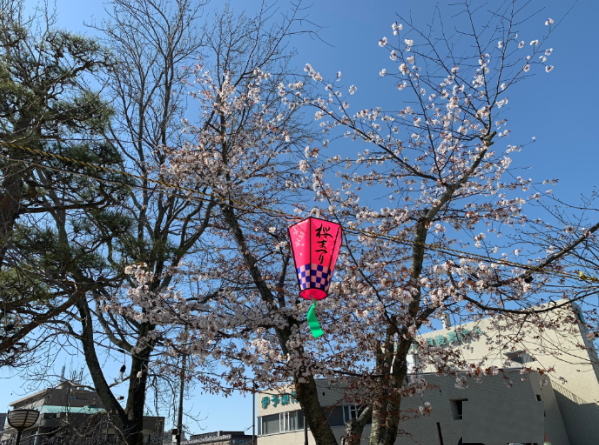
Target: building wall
<point>72,397</point>
<point>580,417</point>
<point>424,429</point>
<point>491,389</point>
<point>219,438</point>
<point>55,405</point>
<point>327,395</point>
<point>564,349</point>
<point>555,423</point>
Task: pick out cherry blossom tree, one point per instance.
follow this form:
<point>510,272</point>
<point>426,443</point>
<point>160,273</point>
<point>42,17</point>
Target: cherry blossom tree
<point>174,234</point>
<point>441,159</point>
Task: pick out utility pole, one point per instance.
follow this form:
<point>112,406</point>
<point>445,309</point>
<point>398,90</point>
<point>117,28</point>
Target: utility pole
<point>254,415</point>
<point>181,395</point>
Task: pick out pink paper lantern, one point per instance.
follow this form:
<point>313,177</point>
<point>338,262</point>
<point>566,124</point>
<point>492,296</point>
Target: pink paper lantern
<point>315,244</point>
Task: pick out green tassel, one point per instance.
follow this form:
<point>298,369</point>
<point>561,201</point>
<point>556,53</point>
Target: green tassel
<point>313,322</point>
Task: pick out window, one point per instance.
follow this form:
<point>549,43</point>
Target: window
<point>284,422</point>
<point>352,412</point>
<point>456,408</point>
<point>291,421</point>
<point>413,363</point>
<point>270,424</point>
<point>339,415</point>
<point>516,357</point>
<point>278,423</point>
<point>335,415</point>
<point>520,357</point>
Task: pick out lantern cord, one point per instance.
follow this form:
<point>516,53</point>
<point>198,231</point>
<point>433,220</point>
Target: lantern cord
<point>313,321</point>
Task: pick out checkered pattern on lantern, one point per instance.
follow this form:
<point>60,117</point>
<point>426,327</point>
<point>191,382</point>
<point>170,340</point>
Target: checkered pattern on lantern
<point>313,276</point>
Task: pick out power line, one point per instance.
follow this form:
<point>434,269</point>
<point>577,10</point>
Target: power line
<point>205,197</point>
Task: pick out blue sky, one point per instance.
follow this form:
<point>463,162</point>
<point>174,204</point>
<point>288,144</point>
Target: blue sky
<point>556,108</point>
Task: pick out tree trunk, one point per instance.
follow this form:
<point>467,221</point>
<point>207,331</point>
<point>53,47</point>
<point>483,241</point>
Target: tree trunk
<point>307,396</point>
<point>387,401</point>
<point>355,427</point>
<point>128,421</point>
<point>111,405</point>
<point>307,392</point>
<point>136,398</point>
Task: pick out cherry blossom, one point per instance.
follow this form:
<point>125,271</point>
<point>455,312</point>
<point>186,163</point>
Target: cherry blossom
<point>411,186</point>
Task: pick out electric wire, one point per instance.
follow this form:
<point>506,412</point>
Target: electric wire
<point>192,194</point>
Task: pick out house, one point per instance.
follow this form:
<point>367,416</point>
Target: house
<point>73,404</point>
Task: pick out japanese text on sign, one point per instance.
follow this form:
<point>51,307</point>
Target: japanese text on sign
<point>449,338</point>
<point>276,400</point>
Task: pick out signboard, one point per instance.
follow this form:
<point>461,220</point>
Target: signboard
<point>456,336</point>
<point>276,400</point>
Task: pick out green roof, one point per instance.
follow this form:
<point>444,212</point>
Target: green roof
<point>69,409</point>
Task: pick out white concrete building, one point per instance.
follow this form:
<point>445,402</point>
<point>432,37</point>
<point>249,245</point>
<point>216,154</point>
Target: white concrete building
<point>284,424</point>
<point>570,394</point>
<point>565,349</point>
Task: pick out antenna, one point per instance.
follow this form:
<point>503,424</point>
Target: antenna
<point>62,373</point>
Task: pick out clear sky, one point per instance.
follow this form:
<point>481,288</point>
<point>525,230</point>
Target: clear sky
<point>556,108</point>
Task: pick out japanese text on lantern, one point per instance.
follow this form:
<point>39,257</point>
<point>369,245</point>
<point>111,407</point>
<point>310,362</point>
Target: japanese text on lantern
<point>322,233</point>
